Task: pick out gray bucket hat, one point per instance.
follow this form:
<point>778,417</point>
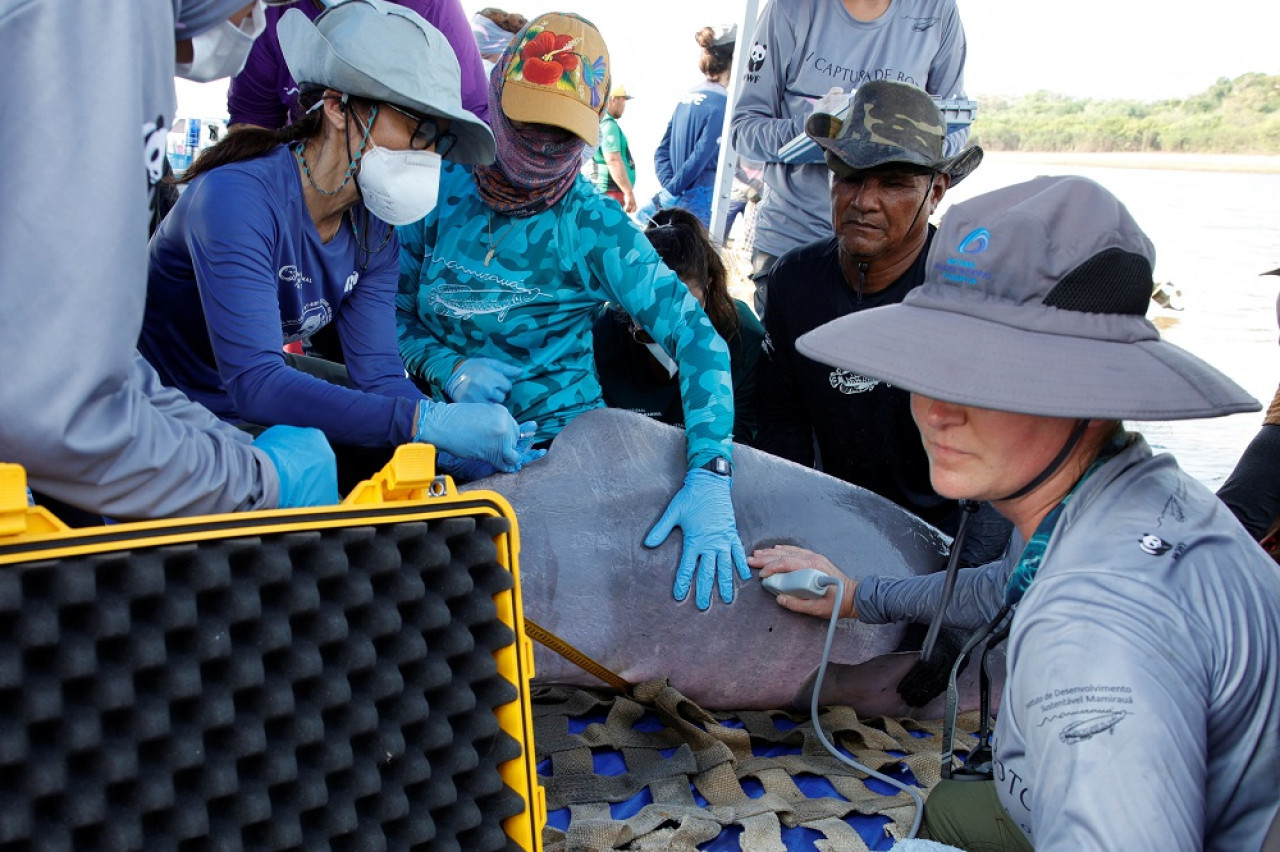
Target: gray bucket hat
<point>889,123</point>
<point>376,50</point>
<point>1034,301</point>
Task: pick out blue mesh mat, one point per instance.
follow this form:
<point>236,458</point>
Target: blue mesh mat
<point>609,762</point>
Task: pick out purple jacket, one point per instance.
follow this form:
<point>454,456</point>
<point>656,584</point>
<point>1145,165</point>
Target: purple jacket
<point>265,94</point>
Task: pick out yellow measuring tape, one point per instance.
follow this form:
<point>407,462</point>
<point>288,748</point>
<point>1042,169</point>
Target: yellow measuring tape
<point>540,634</point>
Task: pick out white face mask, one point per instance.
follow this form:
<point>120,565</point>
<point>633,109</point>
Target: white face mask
<point>399,187</point>
<point>223,50</point>
<point>666,361</point>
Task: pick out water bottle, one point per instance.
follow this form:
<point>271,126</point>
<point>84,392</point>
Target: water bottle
<point>193,139</point>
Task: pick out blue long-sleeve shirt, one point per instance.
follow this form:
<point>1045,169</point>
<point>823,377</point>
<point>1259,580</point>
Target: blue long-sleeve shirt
<point>691,146</point>
<point>238,269</point>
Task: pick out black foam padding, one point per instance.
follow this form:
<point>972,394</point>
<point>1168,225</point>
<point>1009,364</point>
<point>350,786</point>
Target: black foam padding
<point>307,690</point>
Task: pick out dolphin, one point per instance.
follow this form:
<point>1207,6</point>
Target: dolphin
<point>582,512</point>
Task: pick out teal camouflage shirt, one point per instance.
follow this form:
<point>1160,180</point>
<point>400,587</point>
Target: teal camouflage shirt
<point>534,303</point>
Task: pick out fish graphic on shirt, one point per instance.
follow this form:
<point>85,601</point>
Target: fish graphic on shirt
<point>463,301</point>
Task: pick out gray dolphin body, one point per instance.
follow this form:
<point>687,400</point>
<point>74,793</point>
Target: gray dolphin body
<point>583,512</point>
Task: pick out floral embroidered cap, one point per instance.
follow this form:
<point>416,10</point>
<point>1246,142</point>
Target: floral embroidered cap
<point>558,75</point>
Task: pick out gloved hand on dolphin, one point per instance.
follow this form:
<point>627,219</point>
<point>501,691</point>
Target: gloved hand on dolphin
<point>482,431</point>
<point>703,509</point>
<point>469,470</point>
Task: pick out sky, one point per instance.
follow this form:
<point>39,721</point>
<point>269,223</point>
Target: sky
<point>1138,49</point>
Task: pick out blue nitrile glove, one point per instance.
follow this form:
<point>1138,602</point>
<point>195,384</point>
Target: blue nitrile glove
<point>703,510</point>
<point>482,431</point>
<point>305,463</point>
<point>481,380</point>
<point>469,470</point>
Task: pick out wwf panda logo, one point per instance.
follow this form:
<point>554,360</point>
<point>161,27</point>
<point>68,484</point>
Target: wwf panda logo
<point>756,59</point>
<point>1153,545</point>
<point>154,138</point>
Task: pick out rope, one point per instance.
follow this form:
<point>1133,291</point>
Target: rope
<point>552,642</point>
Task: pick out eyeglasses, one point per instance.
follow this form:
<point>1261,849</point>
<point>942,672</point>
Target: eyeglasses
<point>427,132</point>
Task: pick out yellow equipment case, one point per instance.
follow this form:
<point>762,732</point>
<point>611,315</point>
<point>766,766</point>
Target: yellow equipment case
<point>353,677</point>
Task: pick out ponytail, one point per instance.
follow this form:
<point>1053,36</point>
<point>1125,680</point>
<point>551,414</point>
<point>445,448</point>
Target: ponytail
<point>716,58</point>
<point>249,143</point>
<point>685,246</point>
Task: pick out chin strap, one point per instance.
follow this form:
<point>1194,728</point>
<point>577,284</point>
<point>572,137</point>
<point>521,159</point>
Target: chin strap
<point>967,510</point>
<point>977,766</point>
<point>1074,438</point>
<point>933,178</point>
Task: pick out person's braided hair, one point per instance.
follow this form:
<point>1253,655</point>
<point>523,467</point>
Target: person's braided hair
<point>685,246</point>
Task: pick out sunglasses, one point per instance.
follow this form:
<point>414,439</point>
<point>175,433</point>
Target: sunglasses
<point>427,132</point>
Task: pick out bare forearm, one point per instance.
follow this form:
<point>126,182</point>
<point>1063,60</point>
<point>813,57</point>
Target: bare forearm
<point>618,171</point>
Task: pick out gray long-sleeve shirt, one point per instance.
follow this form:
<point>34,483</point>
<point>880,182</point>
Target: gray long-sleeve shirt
<point>88,101</point>
<point>1142,705</point>
<point>801,50</point>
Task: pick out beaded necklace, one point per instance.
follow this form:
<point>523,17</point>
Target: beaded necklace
<point>300,152</point>
<point>360,242</point>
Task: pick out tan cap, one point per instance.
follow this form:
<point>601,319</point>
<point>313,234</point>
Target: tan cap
<point>559,74</point>
<point>619,91</point>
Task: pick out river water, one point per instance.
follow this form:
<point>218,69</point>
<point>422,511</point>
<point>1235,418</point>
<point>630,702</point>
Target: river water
<point>1214,233</point>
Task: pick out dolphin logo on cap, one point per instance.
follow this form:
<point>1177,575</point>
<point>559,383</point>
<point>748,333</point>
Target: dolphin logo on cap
<point>975,242</point>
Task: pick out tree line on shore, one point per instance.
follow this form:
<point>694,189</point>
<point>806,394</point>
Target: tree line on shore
<point>1233,116</point>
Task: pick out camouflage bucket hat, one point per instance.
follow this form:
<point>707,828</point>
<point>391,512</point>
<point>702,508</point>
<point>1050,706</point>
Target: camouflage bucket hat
<point>889,123</point>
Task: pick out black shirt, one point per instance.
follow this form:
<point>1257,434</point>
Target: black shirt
<point>862,427</point>
<point>632,379</point>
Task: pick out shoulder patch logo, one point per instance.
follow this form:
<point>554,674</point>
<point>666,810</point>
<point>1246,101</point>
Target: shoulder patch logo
<point>1153,545</point>
<point>756,59</point>
<point>154,137</point>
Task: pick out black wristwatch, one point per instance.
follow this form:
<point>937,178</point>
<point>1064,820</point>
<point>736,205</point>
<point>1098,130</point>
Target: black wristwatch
<point>719,465</point>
